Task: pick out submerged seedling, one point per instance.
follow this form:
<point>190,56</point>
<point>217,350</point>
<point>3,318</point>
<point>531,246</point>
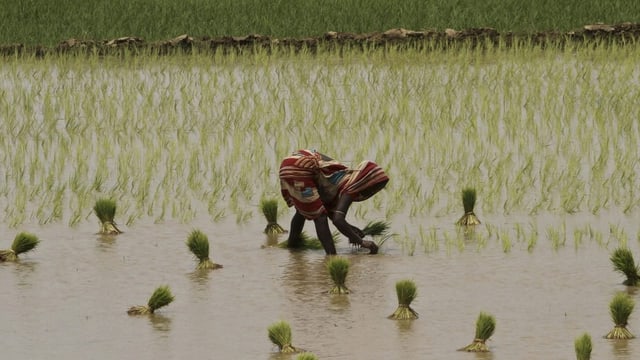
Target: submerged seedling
<point>161,297</point>
<point>338,268</point>
<point>620,309</point>
<point>22,243</point>
<point>468,202</point>
<point>623,262</point>
<point>269,208</point>
<point>280,335</point>
<point>485,326</point>
<point>105,210</point>
<point>198,243</point>
<point>406,291</point>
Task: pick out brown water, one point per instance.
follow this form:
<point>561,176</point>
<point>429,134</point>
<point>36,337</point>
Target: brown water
<point>68,299</point>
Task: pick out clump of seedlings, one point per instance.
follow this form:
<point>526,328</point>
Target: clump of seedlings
<point>620,309</point>
<point>485,326</point>
<point>161,297</point>
<point>269,208</point>
<point>338,268</point>
<point>375,228</point>
<point>22,243</point>
<point>623,262</point>
<point>307,356</point>
<point>105,210</point>
<point>198,244</point>
<point>468,202</point>
<point>280,334</point>
<point>306,242</point>
<point>407,292</point>
<point>583,347</point>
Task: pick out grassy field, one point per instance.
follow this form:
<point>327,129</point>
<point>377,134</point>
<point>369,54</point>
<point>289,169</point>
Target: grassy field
<point>40,22</point>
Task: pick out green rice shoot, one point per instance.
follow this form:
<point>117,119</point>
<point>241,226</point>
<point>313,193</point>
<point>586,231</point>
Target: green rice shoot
<point>280,335</point>
<point>22,243</point>
<point>161,297</point>
<point>306,242</point>
<point>623,262</point>
<point>485,326</point>
<point>269,208</point>
<point>307,356</point>
<point>198,244</point>
<point>376,228</point>
<point>620,308</point>
<point>583,347</point>
<point>338,268</point>
<point>406,290</point>
<point>105,210</point>
<point>468,202</point>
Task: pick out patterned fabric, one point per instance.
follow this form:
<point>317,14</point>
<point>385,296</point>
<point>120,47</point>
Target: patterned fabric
<point>299,181</point>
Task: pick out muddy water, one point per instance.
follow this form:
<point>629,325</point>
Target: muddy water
<point>68,299</point>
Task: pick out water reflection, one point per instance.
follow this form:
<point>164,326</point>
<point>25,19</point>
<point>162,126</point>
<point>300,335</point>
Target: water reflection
<point>620,349</point>
<point>160,322</point>
<point>24,271</point>
<point>403,326</point>
<point>106,242</point>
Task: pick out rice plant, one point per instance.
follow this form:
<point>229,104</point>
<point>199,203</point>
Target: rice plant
<point>198,244</point>
<point>280,335</point>
<point>583,347</point>
<point>468,202</point>
<point>105,210</point>
<point>623,262</point>
<point>620,308</point>
<point>22,243</point>
<point>406,291</point>
<point>306,242</point>
<point>161,297</point>
<point>269,208</point>
<point>485,326</point>
<point>338,268</point>
<point>375,228</point>
<point>307,356</point>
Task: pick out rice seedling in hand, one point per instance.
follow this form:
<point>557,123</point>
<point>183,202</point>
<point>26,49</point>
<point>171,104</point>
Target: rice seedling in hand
<point>280,335</point>
<point>620,309</point>
<point>485,326</point>
<point>583,347</point>
<point>338,268</point>
<point>105,210</point>
<point>469,202</point>
<point>198,243</point>
<point>22,243</point>
<point>161,297</point>
<point>269,208</point>
<point>375,228</point>
<point>623,262</point>
<point>407,292</point>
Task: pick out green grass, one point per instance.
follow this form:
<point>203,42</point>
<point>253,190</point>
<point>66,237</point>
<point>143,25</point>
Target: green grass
<point>47,23</point>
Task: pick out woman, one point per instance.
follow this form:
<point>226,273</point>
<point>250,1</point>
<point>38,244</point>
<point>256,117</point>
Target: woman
<point>320,188</point>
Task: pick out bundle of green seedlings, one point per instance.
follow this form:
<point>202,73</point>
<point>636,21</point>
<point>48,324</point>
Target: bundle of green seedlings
<point>406,291</point>
<point>269,208</point>
<point>280,335</point>
<point>620,309</point>
<point>468,202</point>
<point>306,242</point>
<point>22,243</point>
<point>623,262</point>
<point>375,228</point>
<point>583,347</point>
<point>161,297</point>
<point>105,210</point>
<point>338,268</point>
<point>485,326</point>
<point>307,356</point>
<point>198,244</point>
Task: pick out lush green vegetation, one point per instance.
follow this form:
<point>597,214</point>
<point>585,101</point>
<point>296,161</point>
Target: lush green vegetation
<point>47,22</point>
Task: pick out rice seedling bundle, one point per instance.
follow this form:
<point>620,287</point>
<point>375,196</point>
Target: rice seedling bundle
<point>583,347</point>
<point>307,242</point>
<point>485,326</point>
<point>280,335</point>
<point>623,262</point>
<point>375,228</point>
<point>468,202</point>
<point>269,208</point>
<point>338,268</point>
<point>307,356</point>
<point>620,308</point>
<point>161,297</point>
<point>198,244</point>
<point>22,243</point>
<point>105,210</point>
<point>406,291</point>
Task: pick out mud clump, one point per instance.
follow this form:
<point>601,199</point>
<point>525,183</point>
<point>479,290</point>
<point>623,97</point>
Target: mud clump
<point>624,33</point>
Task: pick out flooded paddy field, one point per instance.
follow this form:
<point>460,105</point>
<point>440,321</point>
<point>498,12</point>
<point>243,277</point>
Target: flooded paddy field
<point>548,139</point>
